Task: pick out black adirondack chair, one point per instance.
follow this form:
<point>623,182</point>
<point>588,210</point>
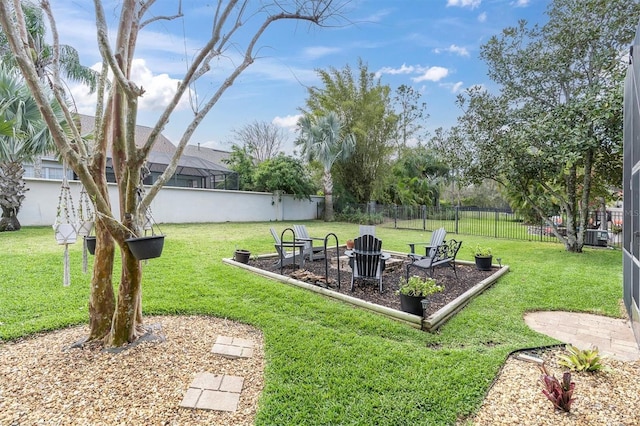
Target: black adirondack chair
<point>367,260</point>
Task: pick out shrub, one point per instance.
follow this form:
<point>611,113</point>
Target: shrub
<point>417,286</point>
<point>559,393</point>
<point>581,360</point>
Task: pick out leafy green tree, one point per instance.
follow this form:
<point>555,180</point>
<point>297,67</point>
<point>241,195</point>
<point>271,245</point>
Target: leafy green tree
<point>241,162</point>
<point>365,108</point>
<point>286,174</point>
<point>325,142</point>
<point>553,133</point>
<point>417,177</point>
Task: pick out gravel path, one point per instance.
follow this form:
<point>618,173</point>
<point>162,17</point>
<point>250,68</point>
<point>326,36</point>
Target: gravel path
<point>42,383</point>
<point>604,398</point>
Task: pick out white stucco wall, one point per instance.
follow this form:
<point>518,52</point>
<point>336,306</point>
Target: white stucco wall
<point>177,205</point>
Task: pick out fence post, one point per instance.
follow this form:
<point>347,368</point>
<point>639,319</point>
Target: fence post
<point>423,209</point>
<point>495,231</point>
<point>395,216</point>
<point>457,218</point>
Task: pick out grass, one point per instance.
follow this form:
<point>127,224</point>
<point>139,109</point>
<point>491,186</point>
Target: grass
<point>327,362</point>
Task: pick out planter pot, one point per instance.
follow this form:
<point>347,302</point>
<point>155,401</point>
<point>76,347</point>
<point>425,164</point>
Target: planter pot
<point>350,244</point>
<point>91,244</point>
<point>242,256</point>
<point>84,228</point>
<point>146,247</point>
<point>65,233</point>
<point>484,263</point>
<point>412,304</point>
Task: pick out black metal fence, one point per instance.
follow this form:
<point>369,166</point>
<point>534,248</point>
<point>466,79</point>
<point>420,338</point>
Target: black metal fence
<point>604,229</point>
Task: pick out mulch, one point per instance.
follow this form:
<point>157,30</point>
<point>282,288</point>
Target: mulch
<point>467,277</point>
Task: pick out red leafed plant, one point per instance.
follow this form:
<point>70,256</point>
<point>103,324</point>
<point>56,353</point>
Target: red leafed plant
<point>559,393</point>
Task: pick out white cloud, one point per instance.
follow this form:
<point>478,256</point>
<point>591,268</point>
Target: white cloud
<point>289,122</point>
<point>319,51</point>
<point>482,17</point>
<point>521,3</point>
<point>159,90</point>
<point>462,51</point>
<point>432,74</point>
<point>464,3</point>
<point>404,69</point>
<point>456,87</point>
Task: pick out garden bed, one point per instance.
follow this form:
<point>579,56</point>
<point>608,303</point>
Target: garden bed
<point>457,290</point>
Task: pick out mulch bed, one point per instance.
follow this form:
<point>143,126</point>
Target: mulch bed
<point>467,277</point>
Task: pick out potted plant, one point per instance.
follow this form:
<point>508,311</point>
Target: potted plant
<point>483,257</point>
<point>414,290</point>
<point>242,256</point>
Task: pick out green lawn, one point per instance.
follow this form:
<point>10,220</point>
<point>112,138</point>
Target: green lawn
<point>327,362</point>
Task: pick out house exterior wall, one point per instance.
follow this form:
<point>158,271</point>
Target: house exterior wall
<point>176,205</point>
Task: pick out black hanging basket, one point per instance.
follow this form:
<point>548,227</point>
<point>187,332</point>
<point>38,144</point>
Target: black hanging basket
<point>91,244</point>
<point>144,248</point>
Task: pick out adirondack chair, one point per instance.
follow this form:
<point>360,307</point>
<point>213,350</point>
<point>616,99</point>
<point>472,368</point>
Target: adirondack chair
<point>437,238</point>
<point>288,257</point>
<point>367,260</point>
<point>445,255</point>
<point>367,230</point>
<point>314,252</point>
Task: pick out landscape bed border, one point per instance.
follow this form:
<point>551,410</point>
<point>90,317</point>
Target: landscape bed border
<point>431,323</point>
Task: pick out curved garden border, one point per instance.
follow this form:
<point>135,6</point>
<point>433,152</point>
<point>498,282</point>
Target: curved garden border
<point>431,323</point>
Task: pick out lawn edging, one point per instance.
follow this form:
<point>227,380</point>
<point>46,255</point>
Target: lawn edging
<point>431,323</point>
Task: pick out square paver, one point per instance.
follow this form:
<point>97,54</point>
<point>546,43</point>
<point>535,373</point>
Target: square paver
<point>233,347</point>
<point>218,400</point>
<point>213,392</point>
<point>206,381</point>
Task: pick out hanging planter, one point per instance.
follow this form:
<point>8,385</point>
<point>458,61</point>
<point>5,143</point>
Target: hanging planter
<point>144,248</point>
<point>65,233</point>
<point>91,244</point>
<point>85,227</point>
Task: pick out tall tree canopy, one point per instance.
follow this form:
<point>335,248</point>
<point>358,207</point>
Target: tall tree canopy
<point>364,106</point>
<point>235,23</point>
<point>553,133</point>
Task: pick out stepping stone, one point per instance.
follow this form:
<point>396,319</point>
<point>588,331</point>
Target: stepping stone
<point>213,392</point>
<point>233,347</point>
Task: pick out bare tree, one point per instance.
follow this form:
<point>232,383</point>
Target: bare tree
<point>263,140</point>
<point>117,320</point>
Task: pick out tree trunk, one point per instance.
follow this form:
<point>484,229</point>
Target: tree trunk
<point>327,182</point>
<point>12,189</point>
<point>102,299</point>
<point>9,220</point>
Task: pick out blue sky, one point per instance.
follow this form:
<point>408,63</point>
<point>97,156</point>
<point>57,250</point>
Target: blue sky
<point>431,45</point>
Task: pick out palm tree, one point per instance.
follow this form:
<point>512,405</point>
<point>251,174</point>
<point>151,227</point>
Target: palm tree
<point>322,142</point>
<point>42,53</point>
<point>25,136</point>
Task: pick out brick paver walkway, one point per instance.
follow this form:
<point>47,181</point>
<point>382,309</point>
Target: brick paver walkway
<point>219,392</point>
<point>612,336</point>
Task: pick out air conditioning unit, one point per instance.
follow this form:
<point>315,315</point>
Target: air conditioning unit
<point>596,237</point>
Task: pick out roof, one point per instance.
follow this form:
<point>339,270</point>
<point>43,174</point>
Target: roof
<point>195,160</point>
<point>87,124</point>
<point>213,155</point>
